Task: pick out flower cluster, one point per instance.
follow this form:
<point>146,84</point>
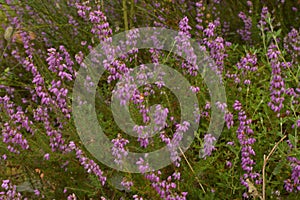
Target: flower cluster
<point>263,19</point>
<point>244,133</point>
<point>158,119</point>
<point>10,191</point>
<point>184,47</point>
<point>137,197</point>
<point>246,65</point>
<point>199,17</point>
<point>60,63</point>
<point>277,86</point>
<point>173,144</point>
<point>127,184</point>
<point>209,142</point>
<point>229,119</point>
<point>292,45</point>
<point>12,128</point>
<point>293,184</point>
<point>246,32</point>
<point>97,18</point>
<point>143,165</point>
<point>89,165</point>
<point>216,45</point>
<point>165,187</point>
<point>118,150</point>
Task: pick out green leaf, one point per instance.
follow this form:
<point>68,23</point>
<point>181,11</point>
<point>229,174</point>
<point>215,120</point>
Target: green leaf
<point>277,33</point>
<point>292,139</point>
<point>278,168</point>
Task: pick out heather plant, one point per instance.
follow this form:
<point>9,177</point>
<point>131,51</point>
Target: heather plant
<point>254,46</point>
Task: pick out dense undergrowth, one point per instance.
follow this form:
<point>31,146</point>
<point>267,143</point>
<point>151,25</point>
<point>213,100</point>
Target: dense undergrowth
<point>255,46</point>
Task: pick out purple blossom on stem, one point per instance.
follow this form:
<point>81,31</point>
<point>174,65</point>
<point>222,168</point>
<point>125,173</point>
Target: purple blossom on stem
<point>228,164</point>
<point>209,31</point>
<point>246,32</point>
<point>118,149</point>
<point>199,17</point>
<point>54,60</point>
<point>47,156</point>
<point>244,133</point>
<point>72,197</point>
<point>208,147</point>
<point>11,130</point>
<point>293,184</point>
<point>277,86</point>
<point>292,45</point>
<point>143,165</point>
<point>173,144</point>
<point>263,19</point>
<point>196,113</point>
<point>229,119</point>
<point>89,165</point>
<point>127,184</point>
<point>216,46</point>
<point>184,47</point>
<point>166,188</point>
<point>221,106</point>
<point>246,65</point>
<point>10,191</point>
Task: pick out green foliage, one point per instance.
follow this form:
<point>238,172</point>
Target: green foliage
<point>31,171</point>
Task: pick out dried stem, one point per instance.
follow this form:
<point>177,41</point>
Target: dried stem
<point>265,163</point>
<point>125,15</point>
<point>192,170</point>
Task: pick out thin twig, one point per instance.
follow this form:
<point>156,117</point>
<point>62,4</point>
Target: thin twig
<point>192,170</point>
<point>265,163</point>
<point>131,14</point>
<point>125,15</point>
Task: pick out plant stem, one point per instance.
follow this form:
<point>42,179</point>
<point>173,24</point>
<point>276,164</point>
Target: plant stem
<point>265,163</point>
<point>125,15</point>
<point>131,13</point>
<point>192,170</point>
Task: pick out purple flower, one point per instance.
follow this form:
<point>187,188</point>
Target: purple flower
<point>118,149</point>
<point>292,45</point>
<point>263,18</point>
<point>231,143</point>
<point>184,27</point>
<point>72,197</point>
<point>5,184</point>
<point>183,127</point>
<point>221,106</point>
<point>229,119</point>
<point>195,89</point>
<point>237,105</point>
<point>199,17</point>
<point>37,192</point>
<point>127,184</point>
<point>209,142</point>
<point>228,164</point>
<point>244,133</point>
<point>10,191</point>
<point>293,183</point>
<point>165,188</point>
<point>143,165</point>
<point>277,85</point>
<point>184,47</point>
<point>89,165</point>
<point>46,156</point>
<point>246,32</point>
<point>209,31</point>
